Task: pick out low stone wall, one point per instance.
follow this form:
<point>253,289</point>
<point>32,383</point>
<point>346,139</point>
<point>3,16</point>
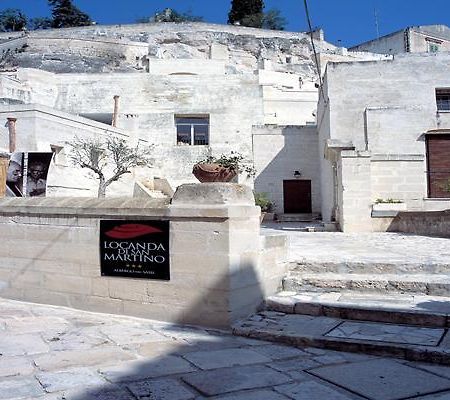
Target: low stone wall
<point>430,223</point>
<point>221,268</point>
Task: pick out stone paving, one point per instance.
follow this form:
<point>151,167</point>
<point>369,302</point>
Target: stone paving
<point>370,248</point>
<point>54,353</point>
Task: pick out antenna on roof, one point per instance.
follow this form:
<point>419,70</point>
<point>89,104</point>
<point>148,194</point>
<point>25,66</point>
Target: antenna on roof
<point>375,11</point>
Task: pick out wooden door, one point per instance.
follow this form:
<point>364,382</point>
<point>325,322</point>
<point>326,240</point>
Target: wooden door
<point>438,160</point>
<point>297,196</point>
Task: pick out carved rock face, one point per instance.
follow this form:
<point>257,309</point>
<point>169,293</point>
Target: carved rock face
<point>213,173</point>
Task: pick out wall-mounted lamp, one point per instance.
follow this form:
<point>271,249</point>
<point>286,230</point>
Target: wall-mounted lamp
<point>297,174</point>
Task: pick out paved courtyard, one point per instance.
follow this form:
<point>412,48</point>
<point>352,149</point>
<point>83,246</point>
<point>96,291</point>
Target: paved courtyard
<point>51,353</point>
<point>367,248</point>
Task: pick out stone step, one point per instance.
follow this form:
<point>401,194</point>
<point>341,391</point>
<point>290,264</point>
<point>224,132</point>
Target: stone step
<point>412,343</point>
<point>314,226</point>
<point>157,194</point>
<point>394,308</point>
<point>426,284</point>
<point>298,217</point>
<point>368,267</point>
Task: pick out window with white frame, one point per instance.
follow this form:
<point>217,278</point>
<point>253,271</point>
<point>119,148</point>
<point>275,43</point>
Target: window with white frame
<point>443,99</point>
<point>192,131</point>
<point>433,45</point>
<point>433,48</point>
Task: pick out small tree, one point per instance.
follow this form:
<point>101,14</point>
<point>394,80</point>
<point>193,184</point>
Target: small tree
<point>246,13</point>
<point>273,20</point>
<point>66,15</point>
<point>171,15</point>
<point>97,155</point>
<point>40,23</point>
<point>12,19</point>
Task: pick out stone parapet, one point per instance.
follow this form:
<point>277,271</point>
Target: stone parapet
<point>221,268</point>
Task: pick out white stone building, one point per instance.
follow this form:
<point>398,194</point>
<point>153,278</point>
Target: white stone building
<point>384,134</point>
<point>413,39</point>
<point>190,90</point>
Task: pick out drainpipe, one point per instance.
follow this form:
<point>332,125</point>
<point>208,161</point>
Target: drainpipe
<point>12,133</point>
<point>116,110</point>
<point>366,121</point>
<point>366,129</point>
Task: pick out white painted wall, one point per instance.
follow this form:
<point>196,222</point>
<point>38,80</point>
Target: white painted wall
<point>384,108</point>
<point>278,152</point>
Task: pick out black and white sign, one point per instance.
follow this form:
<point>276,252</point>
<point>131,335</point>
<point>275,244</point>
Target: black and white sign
<point>135,249</point>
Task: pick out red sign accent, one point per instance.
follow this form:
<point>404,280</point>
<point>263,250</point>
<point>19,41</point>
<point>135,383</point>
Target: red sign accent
<point>130,231</point>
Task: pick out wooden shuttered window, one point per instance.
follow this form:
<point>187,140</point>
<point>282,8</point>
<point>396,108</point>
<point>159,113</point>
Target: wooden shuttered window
<point>438,165</point>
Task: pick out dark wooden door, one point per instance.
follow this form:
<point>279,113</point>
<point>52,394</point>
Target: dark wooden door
<point>297,196</point>
<point>438,160</point>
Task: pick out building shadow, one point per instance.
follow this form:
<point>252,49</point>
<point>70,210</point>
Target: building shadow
<point>177,360</point>
<point>286,153</point>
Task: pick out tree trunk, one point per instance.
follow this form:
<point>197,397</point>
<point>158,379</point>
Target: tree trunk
<point>101,188</point>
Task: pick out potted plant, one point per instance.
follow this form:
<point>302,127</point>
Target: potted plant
<point>221,169</point>
<point>266,205</point>
<point>389,205</point>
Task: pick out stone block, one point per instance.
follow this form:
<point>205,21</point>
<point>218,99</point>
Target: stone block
<point>67,284</point>
<point>15,366</point>
<point>26,279</point>
<point>18,388</point>
<point>219,225</point>
<point>265,394</point>
<point>95,303</point>
<point>71,378</point>
<point>382,379</point>
<point>128,289</point>
<point>279,352</point>
<point>100,287</point>
<point>159,312</point>
<point>144,369</point>
<point>213,193</point>
<point>312,390</point>
<point>227,380</point>
<point>225,358</point>
<point>161,389</point>
<point>18,345</point>
<point>61,360</point>
<point>200,242</point>
<point>40,295</point>
<point>217,265</point>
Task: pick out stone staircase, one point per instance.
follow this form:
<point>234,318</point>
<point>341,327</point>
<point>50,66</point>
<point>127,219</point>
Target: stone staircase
<point>391,309</point>
<point>298,217</point>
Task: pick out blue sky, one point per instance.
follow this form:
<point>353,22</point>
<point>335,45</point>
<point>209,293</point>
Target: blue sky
<point>350,21</point>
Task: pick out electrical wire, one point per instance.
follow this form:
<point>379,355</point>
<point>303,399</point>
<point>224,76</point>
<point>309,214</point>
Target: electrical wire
<point>316,58</point>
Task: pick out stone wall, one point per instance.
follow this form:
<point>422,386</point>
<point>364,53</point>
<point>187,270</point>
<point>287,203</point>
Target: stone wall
<point>281,150</point>
<point>44,129</point>
<point>430,223</point>
<point>387,121</point>
<point>354,198</point>
<point>220,267</point>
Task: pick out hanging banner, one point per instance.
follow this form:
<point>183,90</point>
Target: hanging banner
<point>4,164</point>
<point>37,171</point>
<point>14,176</point>
<point>33,166</point>
<point>135,249</point>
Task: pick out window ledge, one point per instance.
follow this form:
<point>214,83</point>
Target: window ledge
<point>443,111</point>
<point>436,199</point>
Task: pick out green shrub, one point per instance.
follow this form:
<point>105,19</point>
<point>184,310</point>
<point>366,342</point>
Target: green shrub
<point>263,201</point>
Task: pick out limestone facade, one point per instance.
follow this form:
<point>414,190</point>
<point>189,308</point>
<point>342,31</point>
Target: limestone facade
<point>413,39</point>
<point>216,253</point>
<point>374,133</point>
<point>252,91</point>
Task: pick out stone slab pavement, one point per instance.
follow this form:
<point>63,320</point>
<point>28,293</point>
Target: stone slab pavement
<point>55,353</point>
<point>370,248</point>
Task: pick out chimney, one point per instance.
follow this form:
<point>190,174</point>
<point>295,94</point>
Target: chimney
<point>12,133</point>
<point>116,110</point>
